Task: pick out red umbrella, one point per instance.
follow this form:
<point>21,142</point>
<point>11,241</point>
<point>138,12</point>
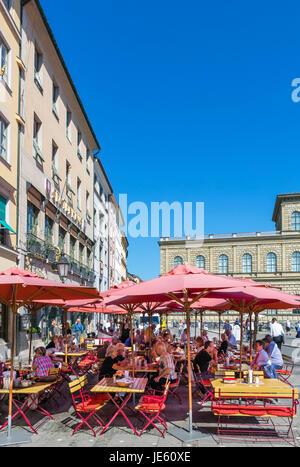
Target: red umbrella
<point>182,281</point>
<point>185,285</point>
<point>20,288</point>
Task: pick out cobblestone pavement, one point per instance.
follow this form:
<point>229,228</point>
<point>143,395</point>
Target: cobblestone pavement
<point>58,432</point>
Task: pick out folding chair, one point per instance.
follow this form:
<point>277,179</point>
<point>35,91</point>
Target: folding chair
<point>174,386</point>
<point>204,383</point>
<point>286,372</point>
<point>151,407</point>
<point>86,404</point>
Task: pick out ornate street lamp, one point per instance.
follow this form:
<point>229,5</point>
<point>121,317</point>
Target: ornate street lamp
<point>63,266</point>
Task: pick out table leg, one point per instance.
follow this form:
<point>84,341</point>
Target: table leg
<point>120,410</point>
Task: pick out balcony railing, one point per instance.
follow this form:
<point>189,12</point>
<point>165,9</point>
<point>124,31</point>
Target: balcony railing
<point>41,248</point>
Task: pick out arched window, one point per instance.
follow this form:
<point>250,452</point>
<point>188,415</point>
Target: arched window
<point>296,261</point>
<point>271,262</point>
<point>223,264</point>
<point>200,262</point>
<point>247,263</point>
<point>178,261</point>
<point>296,220</point>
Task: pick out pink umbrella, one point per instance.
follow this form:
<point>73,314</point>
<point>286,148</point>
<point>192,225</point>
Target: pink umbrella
<point>20,288</point>
<point>185,285</point>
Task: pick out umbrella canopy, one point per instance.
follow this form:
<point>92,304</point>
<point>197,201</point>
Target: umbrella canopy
<point>20,288</point>
<point>256,299</point>
<point>181,281</point>
<point>23,287</point>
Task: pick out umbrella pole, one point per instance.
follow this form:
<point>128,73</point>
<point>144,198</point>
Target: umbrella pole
<point>219,326</point>
<point>132,352</point>
<point>255,326</point>
<point>241,345</point>
<point>66,337</point>
<point>189,371</point>
<point>150,337</point>
<point>201,321</point>
<point>30,343</point>
<point>195,324</point>
<point>251,337</point>
<point>12,354</point>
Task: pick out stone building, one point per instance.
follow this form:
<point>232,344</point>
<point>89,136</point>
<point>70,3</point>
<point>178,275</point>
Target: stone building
<point>270,257</point>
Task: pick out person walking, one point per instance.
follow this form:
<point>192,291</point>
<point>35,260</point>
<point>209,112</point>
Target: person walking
<point>78,331</point>
<point>277,333</point>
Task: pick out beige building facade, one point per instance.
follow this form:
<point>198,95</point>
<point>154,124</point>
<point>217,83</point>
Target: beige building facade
<point>271,257</point>
<point>11,70</point>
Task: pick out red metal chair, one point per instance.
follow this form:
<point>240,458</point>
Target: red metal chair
<point>286,372</point>
<point>86,404</point>
<point>151,407</point>
<point>204,383</point>
<point>174,386</point>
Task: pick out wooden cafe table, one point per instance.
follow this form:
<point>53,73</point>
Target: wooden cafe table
<point>22,407</point>
<point>267,389</point>
<point>107,385</point>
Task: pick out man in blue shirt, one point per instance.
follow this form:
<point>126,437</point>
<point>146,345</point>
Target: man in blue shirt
<point>262,360</point>
<point>78,331</point>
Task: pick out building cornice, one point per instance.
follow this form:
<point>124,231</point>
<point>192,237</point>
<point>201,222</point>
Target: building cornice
<point>284,197</point>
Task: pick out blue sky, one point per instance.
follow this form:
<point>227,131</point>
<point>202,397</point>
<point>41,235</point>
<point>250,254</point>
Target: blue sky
<point>191,101</point>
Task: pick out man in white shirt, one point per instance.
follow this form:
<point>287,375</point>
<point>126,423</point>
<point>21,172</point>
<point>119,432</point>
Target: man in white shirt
<point>277,333</point>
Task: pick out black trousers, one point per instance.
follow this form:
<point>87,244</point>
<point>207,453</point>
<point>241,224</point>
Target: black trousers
<point>278,340</point>
<point>160,386</point>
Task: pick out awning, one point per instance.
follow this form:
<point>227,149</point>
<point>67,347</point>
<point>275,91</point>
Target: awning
<point>6,226</point>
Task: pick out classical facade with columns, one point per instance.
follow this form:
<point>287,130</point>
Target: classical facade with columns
<point>271,257</point>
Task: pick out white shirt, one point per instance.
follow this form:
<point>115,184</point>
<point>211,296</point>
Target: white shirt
<point>276,329</point>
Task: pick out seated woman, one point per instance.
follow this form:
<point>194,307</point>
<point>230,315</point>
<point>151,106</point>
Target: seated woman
<point>120,359</point>
<point>166,369</point>
<point>42,363</point>
<point>262,361</point>
<point>224,345</point>
<point>108,367</point>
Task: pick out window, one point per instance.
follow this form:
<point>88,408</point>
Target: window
<point>38,61</point>
<point>296,261</point>
<point>81,253</point>
<point>3,138</point>
<point>68,124</point>
<point>61,239</point>
<point>2,217</point>
<point>79,140</point>
<point>4,61</point>
<point>49,229</point>
<point>271,312</point>
<point>32,219</point>
<point>55,94</point>
<point>55,174</point>
<point>69,190</point>
<point>72,247</point>
<point>37,153</point>
<point>88,258</point>
<point>223,264</point>
<point>7,3</point>
<point>88,160</point>
<point>78,194</point>
<point>4,322</point>
<point>200,262</point>
<point>88,215</point>
<point>296,220</point>
<point>247,263</point>
<point>178,261</point>
<point>271,262</point>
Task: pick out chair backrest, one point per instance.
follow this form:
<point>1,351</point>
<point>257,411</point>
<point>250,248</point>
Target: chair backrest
<point>166,390</point>
<point>53,372</point>
<point>78,384</point>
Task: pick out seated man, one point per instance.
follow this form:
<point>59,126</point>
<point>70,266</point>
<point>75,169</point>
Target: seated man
<point>273,352</point>
<point>231,339</point>
<point>166,369</point>
<point>262,361</point>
